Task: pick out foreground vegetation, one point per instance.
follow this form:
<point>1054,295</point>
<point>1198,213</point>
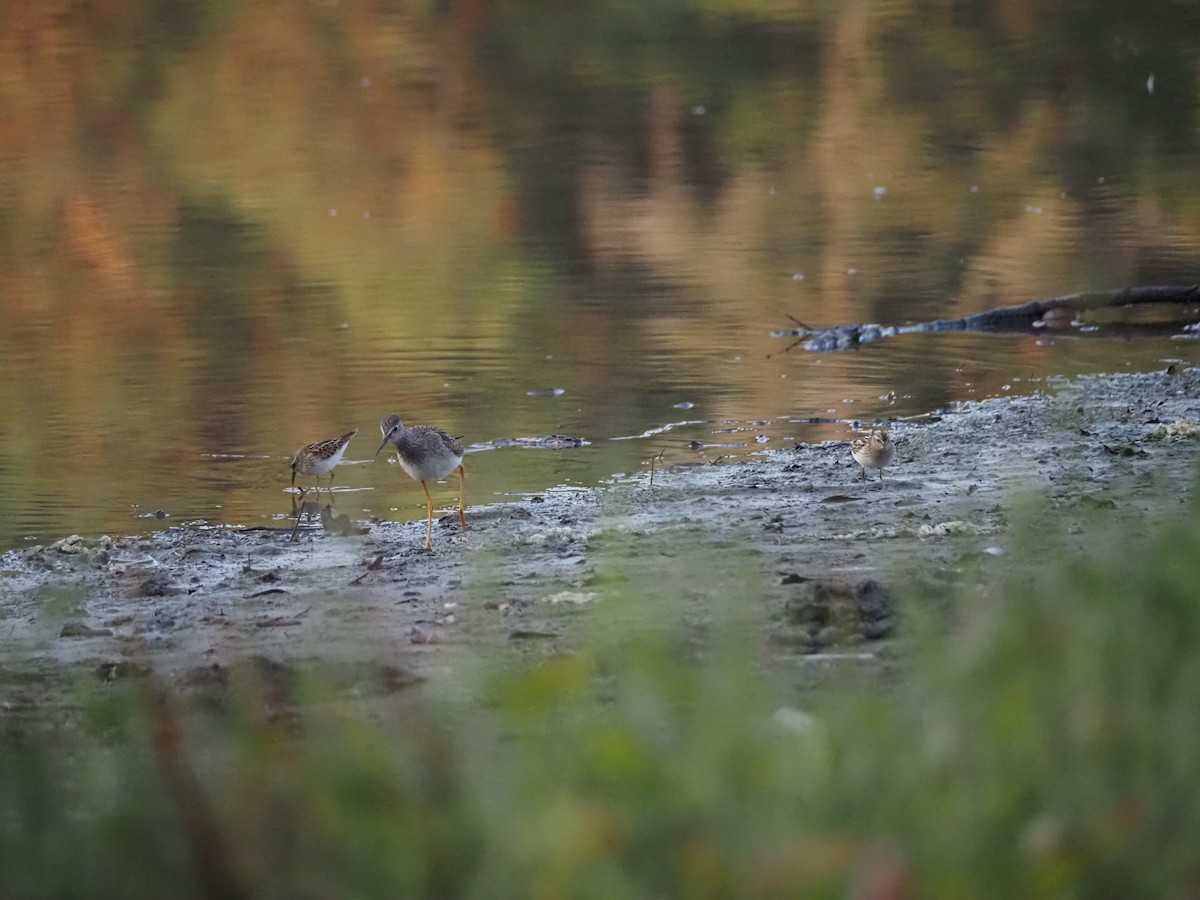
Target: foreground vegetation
<point>1040,743</point>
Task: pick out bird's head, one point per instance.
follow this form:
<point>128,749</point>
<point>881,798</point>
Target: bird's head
<point>392,428</point>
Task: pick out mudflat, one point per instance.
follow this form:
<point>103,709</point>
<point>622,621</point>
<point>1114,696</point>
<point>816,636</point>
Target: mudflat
<point>816,554</point>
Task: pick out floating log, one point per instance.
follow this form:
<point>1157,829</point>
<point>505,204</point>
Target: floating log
<point>1057,312</point>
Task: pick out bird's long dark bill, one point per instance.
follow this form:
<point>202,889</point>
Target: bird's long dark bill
<point>381,446</point>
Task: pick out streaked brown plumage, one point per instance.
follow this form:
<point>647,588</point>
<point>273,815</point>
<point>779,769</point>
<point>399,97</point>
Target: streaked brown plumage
<point>315,460</point>
<point>874,451</point>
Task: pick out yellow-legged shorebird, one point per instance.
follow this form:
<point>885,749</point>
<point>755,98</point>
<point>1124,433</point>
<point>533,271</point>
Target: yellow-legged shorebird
<point>427,454</point>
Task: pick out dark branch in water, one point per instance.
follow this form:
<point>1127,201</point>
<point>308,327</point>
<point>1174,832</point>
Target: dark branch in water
<point>1057,313</point>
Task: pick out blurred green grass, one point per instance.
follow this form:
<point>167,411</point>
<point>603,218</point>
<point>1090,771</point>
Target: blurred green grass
<point>1041,743</point>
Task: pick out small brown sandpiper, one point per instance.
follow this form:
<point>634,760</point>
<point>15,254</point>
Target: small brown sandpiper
<point>874,451</point>
<point>315,460</point>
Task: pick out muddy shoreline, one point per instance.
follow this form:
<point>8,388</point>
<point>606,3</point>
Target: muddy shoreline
<point>793,532</point>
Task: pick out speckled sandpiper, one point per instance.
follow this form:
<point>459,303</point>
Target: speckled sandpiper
<point>874,451</point>
<point>315,460</point>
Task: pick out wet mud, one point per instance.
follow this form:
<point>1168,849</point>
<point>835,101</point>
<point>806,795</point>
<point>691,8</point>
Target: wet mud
<point>816,553</point>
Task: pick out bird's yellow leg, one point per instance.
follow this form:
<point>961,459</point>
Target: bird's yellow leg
<point>462,487</point>
<point>429,520</point>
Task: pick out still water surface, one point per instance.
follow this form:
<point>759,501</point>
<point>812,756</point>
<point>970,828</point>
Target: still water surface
<point>233,232</point>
